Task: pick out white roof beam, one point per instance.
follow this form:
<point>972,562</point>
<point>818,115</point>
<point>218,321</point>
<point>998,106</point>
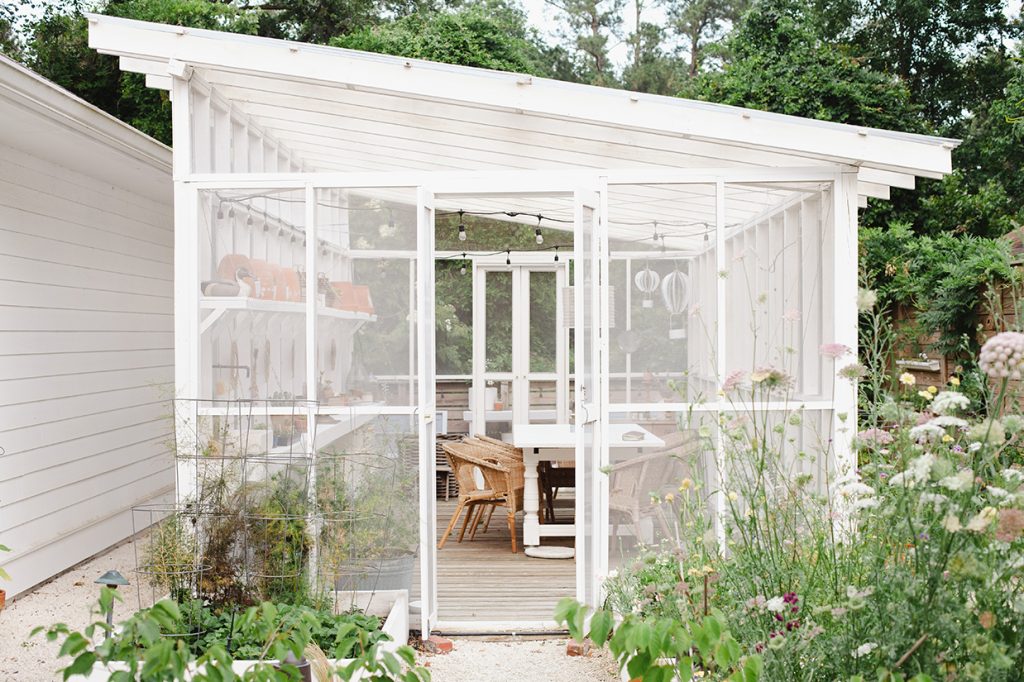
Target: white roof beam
<point>919,155</point>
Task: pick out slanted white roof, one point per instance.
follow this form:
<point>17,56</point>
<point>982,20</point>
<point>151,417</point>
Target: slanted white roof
<point>344,110</point>
<point>46,121</point>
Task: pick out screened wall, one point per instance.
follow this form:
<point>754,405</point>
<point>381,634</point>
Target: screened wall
<point>721,349</point>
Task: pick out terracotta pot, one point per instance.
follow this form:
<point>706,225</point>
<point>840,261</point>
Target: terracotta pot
<point>290,279</point>
<point>3,599</point>
<point>344,296</point>
<point>264,274</point>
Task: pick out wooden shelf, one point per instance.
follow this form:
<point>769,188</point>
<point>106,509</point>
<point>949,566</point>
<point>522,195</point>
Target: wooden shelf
<point>334,427</point>
<point>220,305</point>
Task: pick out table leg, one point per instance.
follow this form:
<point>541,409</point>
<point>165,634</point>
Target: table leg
<point>531,499</point>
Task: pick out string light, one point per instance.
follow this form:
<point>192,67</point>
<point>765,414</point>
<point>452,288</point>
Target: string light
<point>248,220</point>
<point>556,254</point>
<point>540,237</point>
<point>462,226</point>
<point>508,257</point>
<point>462,270</point>
<point>231,212</point>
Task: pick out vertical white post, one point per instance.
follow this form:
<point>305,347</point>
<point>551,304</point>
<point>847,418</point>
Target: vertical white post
<point>186,291</point>
<point>479,402</point>
<point>844,265</point>
<point>720,351</point>
<point>601,487</point>
<point>561,345</point>
<point>312,380</point>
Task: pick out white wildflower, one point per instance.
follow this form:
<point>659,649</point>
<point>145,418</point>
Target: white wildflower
<point>934,499</point>
<point>952,523</point>
<point>949,402</point>
<point>926,433</point>
<point>982,520</point>
<point>947,421</point>
<point>864,649</point>
<point>775,604</point>
<point>958,482</point>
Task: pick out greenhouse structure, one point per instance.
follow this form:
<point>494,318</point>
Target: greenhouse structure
<point>634,268</point>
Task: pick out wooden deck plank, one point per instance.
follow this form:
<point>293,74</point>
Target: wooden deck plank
<point>483,580</point>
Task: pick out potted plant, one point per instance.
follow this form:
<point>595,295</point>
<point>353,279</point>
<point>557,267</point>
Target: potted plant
<point>3,576</point>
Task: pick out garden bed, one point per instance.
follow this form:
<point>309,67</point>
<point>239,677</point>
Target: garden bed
<point>391,605</point>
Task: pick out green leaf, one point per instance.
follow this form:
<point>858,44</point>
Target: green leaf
<point>601,626</point>
<point>82,665</point>
<point>728,652</point>
<point>73,645</point>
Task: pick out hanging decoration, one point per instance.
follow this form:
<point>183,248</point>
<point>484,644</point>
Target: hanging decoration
<point>647,282</point>
<point>675,292</point>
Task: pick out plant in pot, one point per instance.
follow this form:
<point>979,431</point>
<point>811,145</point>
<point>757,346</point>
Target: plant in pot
<point>370,532</point>
<point>3,576</point>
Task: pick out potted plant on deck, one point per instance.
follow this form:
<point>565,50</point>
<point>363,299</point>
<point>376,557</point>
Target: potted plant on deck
<point>3,576</point>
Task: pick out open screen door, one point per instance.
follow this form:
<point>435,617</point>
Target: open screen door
<point>426,412</point>
<point>588,389</point>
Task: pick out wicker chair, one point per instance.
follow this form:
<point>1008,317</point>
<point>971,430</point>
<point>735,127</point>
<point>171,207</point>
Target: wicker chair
<point>503,486</point>
<point>633,481</point>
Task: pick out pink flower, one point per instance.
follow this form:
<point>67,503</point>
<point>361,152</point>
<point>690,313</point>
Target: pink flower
<point>1002,356</point>
<point>834,351</point>
<point>734,381</point>
<point>791,315</point>
<point>875,436</point>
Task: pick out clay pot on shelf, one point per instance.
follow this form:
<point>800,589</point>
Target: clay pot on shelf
<point>265,279</point>
<point>288,280</point>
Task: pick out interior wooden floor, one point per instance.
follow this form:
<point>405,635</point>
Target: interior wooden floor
<point>483,581</point>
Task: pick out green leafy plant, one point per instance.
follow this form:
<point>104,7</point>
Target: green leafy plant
<point>663,649</point>
<point>140,651</point>
<point>4,575</point>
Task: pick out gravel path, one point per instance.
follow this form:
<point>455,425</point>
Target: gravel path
<point>69,598</point>
<point>519,660</point>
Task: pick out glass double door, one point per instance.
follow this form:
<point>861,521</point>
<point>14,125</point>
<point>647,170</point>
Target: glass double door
<point>520,342</point>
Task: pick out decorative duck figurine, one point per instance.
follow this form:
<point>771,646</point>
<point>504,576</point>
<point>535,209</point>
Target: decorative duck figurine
<point>221,287</point>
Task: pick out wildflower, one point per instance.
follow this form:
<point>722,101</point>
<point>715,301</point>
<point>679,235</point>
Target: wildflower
<point>669,497</point>
<point>864,650</point>
<point>775,604</point>
<point>757,602</point>
<point>934,499</point>
<point>954,381</point>
<point>685,484</point>
<point>947,438</point>
<point>834,351</point>
<point>866,299</point>
<point>933,390</point>
<point>733,381</point>
<point>952,523</point>
<point>926,395</point>
<point>1013,424</point>
<point>982,520</point>
<point>987,620</point>
<point>926,433</point>
<point>770,378</point>
<point>990,431</point>
<point>958,482</point>
<point>791,315</point>
<point>1002,356</point>
<point>875,436</point>
<point>853,372</point>
<point>866,503</point>
<point>1011,525</point>
<point>790,598</point>
<point>907,379</point>
<point>733,496</point>
<point>946,421</point>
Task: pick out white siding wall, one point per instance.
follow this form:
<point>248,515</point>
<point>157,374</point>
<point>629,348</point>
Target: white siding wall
<point>86,363</point>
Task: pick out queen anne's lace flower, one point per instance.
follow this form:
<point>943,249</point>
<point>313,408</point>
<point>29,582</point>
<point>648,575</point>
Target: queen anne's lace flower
<point>775,604</point>
<point>864,649</point>
<point>1002,356</point>
<point>834,351</point>
<point>919,469</point>
<point>949,402</point>
<point>926,433</point>
<point>734,381</point>
<point>982,519</point>
<point>959,481</point>
<point>946,422</point>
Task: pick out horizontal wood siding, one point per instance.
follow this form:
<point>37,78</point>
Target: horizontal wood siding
<point>86,363</point>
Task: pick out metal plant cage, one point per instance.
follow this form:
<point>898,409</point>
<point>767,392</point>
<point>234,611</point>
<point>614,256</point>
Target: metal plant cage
<point>262,515</point>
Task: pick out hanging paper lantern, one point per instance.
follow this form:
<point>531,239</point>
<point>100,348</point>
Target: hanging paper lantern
<point>675,292</point>
<point>647,282</point>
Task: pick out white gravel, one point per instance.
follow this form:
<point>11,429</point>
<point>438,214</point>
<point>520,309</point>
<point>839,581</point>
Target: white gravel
<point>70,598</point>
<point>67,598</point>
<point>473,660</point>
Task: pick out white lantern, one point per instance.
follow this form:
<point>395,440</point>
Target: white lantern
<point>647,282</point>
<point>675,292</point>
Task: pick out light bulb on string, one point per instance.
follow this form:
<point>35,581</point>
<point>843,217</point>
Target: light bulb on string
<point>508,257</point>
<point>539,236</point>
<point>248,220</point>
<point>220,211</point>
<point>391,219</point>
<point>231,212</point>
<point>462,270</point>
<point>556,254</point>
<point>462,227</point>
<point>656,235</point>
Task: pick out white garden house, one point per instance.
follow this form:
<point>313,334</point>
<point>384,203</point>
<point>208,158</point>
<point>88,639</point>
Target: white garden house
<point>695,241</point>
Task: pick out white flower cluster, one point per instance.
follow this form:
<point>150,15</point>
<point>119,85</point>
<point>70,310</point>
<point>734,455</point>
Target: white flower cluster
<point>918,471</point>
<point>949,402</point>
<point>1002,356</point>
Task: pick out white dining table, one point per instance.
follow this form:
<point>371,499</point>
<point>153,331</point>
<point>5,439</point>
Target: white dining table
<point>557,443</point>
